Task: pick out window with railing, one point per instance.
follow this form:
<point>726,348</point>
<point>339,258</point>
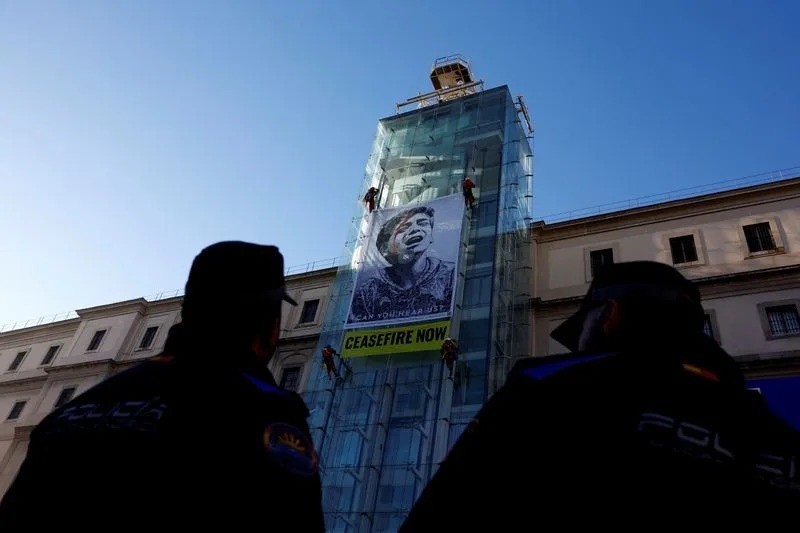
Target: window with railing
<point>783,320</point>
<point>759,237</point>
<point>290,378</point>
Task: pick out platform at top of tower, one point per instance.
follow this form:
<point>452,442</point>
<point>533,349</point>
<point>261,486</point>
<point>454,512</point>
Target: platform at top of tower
<point>450,71</point>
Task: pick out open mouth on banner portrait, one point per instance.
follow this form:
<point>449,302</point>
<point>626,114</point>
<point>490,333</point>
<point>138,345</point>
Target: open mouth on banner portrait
<point>408,270</point>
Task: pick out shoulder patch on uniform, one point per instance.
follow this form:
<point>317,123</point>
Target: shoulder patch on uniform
<point>548,369</point>
<point>264,386</point>
<point>291,449</point>
<point>702,372</point>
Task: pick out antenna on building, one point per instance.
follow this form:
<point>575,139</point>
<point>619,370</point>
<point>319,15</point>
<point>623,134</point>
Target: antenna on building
<point>451,78</point>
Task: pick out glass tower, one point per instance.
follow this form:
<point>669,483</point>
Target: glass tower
<point>382,430</point>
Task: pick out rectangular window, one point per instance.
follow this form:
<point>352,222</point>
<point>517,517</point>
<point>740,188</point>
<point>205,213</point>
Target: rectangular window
<point>17,361</point>
<point>96,339</point>
<point>708,326</point>
<point>50,355</point>
<point>290,378</point>
<point>783,320</point>
<point>759,237</point>
<point>309,313</point>
<point>683,249</point>
<point>148,337</point>
<point>16,410</point>
<point>65,396</point>
<point>600,259</point>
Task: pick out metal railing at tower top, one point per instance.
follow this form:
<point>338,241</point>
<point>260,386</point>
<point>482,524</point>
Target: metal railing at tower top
<point>313,266</point>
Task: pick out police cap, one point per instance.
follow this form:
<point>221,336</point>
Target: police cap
<point>645,280</point>
<point>230,274</point>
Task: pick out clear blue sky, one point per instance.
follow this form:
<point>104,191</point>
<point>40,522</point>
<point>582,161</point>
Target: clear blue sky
<point>133,133</point>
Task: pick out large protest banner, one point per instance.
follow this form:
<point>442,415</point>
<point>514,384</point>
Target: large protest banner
<point>408,270</point>
<point>407,338</point>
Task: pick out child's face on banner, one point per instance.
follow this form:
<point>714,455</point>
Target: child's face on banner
<point>412,236</point>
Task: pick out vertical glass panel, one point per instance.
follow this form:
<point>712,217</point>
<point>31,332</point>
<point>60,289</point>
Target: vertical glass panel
<point>493,107</point>
<point>478,289</point>
<point>403,444</point>
<point>460,421</point>
<point>474,335</point>
<point>339,497</point>
<point>396,494</point>
<point>489,179</point>
<point>411,395</point>
<point>482,252</point>
<point>469,112</point>
<point>487,211</point>
<point>469,383</point>
<point>346,447</point>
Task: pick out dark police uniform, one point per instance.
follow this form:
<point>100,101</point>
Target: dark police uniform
<point>640,440</point>
<point>155,446</point>
<point>197,438</point>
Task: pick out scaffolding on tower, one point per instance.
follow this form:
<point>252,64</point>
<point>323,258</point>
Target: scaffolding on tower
<point>382,431</point>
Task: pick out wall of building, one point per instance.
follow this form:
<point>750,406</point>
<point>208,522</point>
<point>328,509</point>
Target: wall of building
<point>742,330</point>
<point>563,256</point>
<point>723,269</point>
<point>11,460</point>
<point>35,342</point>
<point>300,333</point>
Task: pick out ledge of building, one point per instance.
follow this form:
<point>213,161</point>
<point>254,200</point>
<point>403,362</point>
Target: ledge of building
<point>117,308</point>
<point>313,274</point>
<point>770,364</point>
<point>711,285</point>
<point>79,367</point>
<point>49,329</point>
<point>23,377</point>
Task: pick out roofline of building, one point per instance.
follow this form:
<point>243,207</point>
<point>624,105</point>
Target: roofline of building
<point>126,306</point>
<point>115,308</point>
<point>702,204</point>
<point>312,273</point>
<point>46,329</point>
